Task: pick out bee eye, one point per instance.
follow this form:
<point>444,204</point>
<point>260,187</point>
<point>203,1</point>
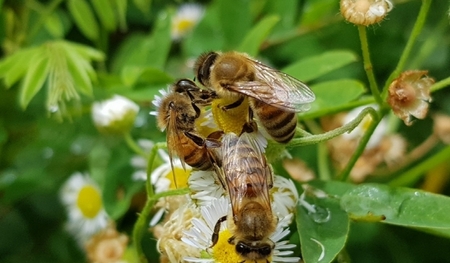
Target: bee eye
<point>242,248</point>
<point>266,250</point>
<point>204,70</point>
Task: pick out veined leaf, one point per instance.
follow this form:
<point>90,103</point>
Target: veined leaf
<point>313,67</point>
<point>34,78</point>
<point>398,206</point>
<point>84,18</point>
<point>105,12</point>
<point>257,35</point>
<point>323,232</point>
<point>81,72</point>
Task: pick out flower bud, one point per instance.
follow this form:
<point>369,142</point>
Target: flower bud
<point>365,12</point>
<point>409,95</point>
<point>115,115</point>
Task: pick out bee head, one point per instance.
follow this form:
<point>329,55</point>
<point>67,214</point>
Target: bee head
<point>254,250</point>
<point>203,67</point>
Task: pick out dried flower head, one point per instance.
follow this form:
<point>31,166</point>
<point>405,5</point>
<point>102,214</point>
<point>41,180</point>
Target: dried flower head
<point>441,127</point>
<point>107,246</point>
<point>365,12</point>
<point>409,95</point>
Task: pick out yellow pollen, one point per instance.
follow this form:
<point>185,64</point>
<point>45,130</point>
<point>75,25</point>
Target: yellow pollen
<point>231,120</point>
<point>224,252</point>
<point>89,201</point>
<point>181,177</point>
<point>185,25</point>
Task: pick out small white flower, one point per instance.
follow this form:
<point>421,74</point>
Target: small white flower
<point>187,16</point>
<point>361,129</point>
<point>205,187</point>
<point>158,100</point>
<point>83,201</point>
<point>199,236</point>
<point>284,195</point>
<point>115,115</point>
<point>163,179</point>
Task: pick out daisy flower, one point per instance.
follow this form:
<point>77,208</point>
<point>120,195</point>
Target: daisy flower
<point>115,115</point>
<point>205,187</point>
<point>83,201</point>
<point>187,16</point>
<point>200,233</point>
<point>284,195</point>
<point>164,179</point>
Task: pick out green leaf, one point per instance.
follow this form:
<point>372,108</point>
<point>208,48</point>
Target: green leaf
<point>86,52</point>
<point>81,72</point>
<point>14,67</point>
<point>316,12</point>
<point>235,21</point>
<point>257,35</point>
<point>200,40</point>
<point>54,25</point>
<point>323,233</point>
<point>105,12</point>
<point>333,93</point>
<point>34,78</point>
<point>131,75</point>
<point>121,10</point>
<point>159,44</point>
<point>399,206</point>
<point>143,5</point>
<point>313,67</point>
<point>84,18</point>
<point>287,10</point>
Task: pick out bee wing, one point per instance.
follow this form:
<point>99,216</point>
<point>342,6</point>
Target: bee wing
<point>173,139</point>
<point>277,89</point>
<point>245,170</point>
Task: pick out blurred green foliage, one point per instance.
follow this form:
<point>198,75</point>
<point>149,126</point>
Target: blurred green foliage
<point>60,56</point>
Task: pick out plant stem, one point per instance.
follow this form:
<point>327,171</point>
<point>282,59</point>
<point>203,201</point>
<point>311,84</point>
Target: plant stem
<point>409,45</point>
<point>411,176</point>
<point>368,64</point>
<point>133,146</point>
<point>336,109</point>
<point>38,24</point>
<point>313,139</point>
<point>343,176</point>
<point>142,222</point>
<point>322,153</point>
<point>440,84</point>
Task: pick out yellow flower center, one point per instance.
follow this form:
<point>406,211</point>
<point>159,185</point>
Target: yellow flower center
<point>89,201</point>
<point>179,179</point>
<point>231,120</point>
<point>224,252</point>
<point>184,25</point>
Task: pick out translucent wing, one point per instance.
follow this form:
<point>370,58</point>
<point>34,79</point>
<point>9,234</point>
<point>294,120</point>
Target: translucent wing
<point>174,147</point>
<point>276,88</point>
<point>245,170</point>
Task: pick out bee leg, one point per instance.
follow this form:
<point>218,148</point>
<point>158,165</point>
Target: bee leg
<point>250,126</point>
<point>234,104</point>
<point>215,235</point>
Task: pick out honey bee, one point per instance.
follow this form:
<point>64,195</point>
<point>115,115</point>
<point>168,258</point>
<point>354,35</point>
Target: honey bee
<point>275,97</point>
<point>248,178</point>
<point>177,114</point>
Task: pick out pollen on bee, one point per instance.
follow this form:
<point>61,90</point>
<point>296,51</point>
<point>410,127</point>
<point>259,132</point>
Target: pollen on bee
<point>230,120</point>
